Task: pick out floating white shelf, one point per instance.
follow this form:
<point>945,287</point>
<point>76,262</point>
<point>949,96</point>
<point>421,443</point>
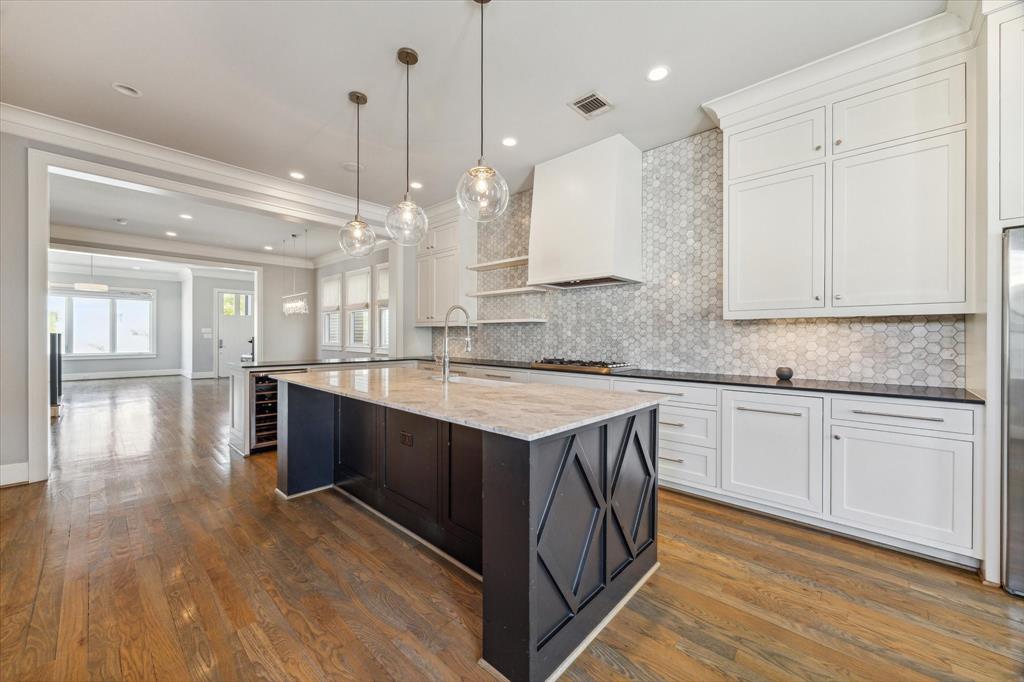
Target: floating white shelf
<point>506,292</point>
<point>522,320</point>
<point>499,264</point>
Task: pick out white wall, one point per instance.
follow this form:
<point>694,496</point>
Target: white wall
<point>287,337</point>
<point>13,299</point>
<point>168,329</point>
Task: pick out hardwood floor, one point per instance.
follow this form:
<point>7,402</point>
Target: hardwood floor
<point>153,553</point>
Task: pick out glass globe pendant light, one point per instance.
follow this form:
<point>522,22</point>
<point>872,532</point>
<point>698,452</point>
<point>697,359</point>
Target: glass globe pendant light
<point>406,222</point>
<point>482,193</point>
<point>356,238</point>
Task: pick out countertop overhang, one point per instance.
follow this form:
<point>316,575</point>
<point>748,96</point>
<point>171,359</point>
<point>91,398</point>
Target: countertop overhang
<point>524,411</point>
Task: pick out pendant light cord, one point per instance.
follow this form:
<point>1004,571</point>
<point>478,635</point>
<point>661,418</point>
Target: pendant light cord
<point>407,77</point>
<point>358,161</point>
<point>481,83</point>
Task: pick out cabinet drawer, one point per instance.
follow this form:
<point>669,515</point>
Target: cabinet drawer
<point>568,379</point>
<point>919,105</point>
<point>687,464</point>
<point>688,425</point>
<point>915,416</point>
<point>497,374</point>
<point>790,141</point>
<point>915,487</point>
<point>671,393</point>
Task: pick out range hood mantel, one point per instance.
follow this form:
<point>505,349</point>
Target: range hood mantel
<point>585,220</point>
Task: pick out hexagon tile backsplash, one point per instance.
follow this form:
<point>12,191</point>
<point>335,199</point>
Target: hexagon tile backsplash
<point>673,321</point>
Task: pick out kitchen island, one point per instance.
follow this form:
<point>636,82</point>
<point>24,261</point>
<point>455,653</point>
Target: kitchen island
<point>548,491</point>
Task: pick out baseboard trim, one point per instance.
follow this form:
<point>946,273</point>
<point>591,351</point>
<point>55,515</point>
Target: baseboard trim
<point>13,474</point>
<point>200,375</point>
<point>434,548</point>
<point>121,374</point>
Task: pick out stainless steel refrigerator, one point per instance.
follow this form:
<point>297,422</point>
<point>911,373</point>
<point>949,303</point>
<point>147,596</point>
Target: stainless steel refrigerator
<point>1013,410</point>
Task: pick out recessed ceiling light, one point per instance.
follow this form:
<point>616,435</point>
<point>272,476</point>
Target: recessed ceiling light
<point>509,141</point>
<point>171,234</point>
<point>185,216</point>
<point>352,166</point>
<point>657,73</point>
<point>297,175</point>
<point>416,185</point>
<point>268,247</point>
<point>126,90</point>
<point>121,221</point>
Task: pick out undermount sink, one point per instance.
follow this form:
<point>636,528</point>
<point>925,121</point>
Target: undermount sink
<point>460,379</point>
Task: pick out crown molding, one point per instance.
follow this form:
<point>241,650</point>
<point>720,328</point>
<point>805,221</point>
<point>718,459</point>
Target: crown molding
<point>40,127</point>
<point>332,257</point>
<point>953,31</point>
<point>102,241</point>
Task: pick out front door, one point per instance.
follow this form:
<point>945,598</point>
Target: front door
<point>234,328</point>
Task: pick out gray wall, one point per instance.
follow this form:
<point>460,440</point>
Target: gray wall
<point>168,327</point>
<point>287,337</point>
<point>13,299</point>
<point>203,313</point>
<point>673,320</point>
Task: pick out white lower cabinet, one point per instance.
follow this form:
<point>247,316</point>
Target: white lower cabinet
<point>566,379</point>
<point>915,487</point>
<point>683,463</point>
<point>772,449</point>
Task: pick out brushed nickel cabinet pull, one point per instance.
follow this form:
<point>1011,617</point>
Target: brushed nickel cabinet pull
<point>754,409</point>
<point>677,461</point>
<point>498,376</point>
<point>898,416</point>
<point>679,424</point>
<point>647,390</point>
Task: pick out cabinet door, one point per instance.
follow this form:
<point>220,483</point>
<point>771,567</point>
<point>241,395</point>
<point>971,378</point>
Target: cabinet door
<point>1011,119</point>
<point>775,242</point>
<point>772,449</point>
<point>409,472</point>
<point>916,487</point>
<point>899,225</point>
<point>446,283</point>
<point>462,482</point>
<point>915,106</point>
<point>445,236</point>
<point>424,289</point>
<point>794,140</point>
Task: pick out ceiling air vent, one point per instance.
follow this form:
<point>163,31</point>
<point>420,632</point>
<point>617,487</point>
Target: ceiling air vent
<point>590,105</point>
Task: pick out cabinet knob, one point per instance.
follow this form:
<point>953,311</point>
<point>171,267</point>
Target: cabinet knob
<point>817,148</point>
<point>838,297</point>
<point>817,298</point>
<point>838,142</point>
<point>836,437</point>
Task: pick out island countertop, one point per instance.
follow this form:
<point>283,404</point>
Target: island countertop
<point>523,411</point>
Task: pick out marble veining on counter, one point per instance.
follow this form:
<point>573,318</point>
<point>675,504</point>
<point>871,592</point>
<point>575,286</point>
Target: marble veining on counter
<point>524,411</point>
<point>263,364</point>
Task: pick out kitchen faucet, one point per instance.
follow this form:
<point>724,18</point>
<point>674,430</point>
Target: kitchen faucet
<point>445,359</point>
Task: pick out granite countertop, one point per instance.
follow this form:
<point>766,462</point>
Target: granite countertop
<point>263,364</point>
<point>523,411</point>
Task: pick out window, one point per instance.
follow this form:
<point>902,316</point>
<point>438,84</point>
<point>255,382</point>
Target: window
<point>233,304</point>
<point>121,322</point>
<point>382,340</point>
<point>330,312</point>
<point>357,309</point>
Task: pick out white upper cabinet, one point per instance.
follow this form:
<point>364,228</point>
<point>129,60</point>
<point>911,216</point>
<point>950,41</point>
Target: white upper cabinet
<point>1010,167</point>
<point>789,142</point>
<point>772,449</point>
<point>424,289</point>
<point>776,242</point>
<point>899,225</point>
<point>446,283</point>
<point>915,106</point>
<point>853,203</point>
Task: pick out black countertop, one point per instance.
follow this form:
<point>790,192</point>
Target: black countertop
<point>943,393</point>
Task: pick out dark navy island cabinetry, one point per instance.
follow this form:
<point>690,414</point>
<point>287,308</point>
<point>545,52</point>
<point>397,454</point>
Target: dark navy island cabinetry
<point>561,523</point>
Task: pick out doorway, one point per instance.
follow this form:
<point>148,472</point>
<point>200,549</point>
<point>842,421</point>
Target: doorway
<point>233,329</point>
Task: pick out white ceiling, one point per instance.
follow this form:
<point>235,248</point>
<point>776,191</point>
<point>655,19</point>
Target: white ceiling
<point>60,260</point>
<point>263,85</point>
<point>152,212</point>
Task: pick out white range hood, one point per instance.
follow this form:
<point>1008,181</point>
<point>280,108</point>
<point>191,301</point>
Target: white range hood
<point>585,220</point>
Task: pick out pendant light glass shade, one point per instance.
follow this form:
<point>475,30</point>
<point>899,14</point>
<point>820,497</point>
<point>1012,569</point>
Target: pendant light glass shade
<point>356,238</point>
<point>482,193</point>
<point>406,222</point>
<point>295,303</point>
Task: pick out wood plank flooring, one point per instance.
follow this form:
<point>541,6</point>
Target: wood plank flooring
<point>154,553</point>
